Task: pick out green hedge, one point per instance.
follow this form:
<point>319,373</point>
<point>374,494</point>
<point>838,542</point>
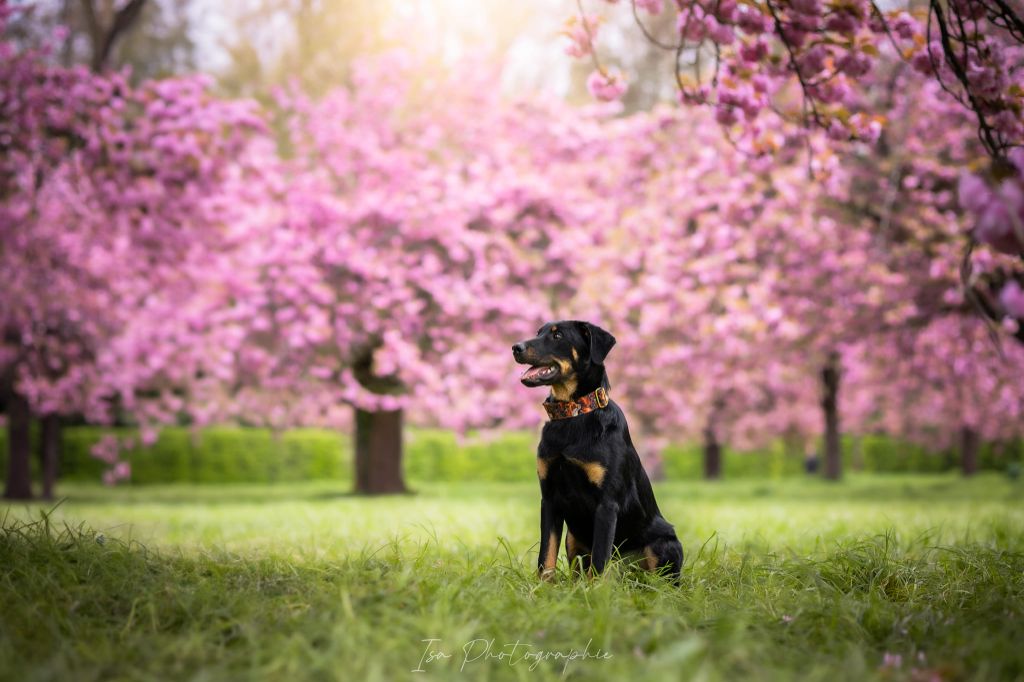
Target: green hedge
<point>687,462</point>
<point>235,454</point>
<point>434,455</point>
<point>214,455</point>
<point>873,453</point>
<point>251,455</point>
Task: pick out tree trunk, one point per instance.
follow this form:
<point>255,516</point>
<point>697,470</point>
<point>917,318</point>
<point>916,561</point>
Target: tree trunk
<point>19,450</point>
<point>378,456</point>
<point>103,37</point>
<point>712,455</point>
<point>830,405</point>
<point>969,443</point>
<point>49,452</point>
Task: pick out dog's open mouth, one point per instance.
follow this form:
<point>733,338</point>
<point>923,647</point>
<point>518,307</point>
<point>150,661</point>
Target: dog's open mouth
<point>538,373</point>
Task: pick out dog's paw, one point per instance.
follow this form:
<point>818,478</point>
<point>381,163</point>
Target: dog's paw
<point>546,574</point>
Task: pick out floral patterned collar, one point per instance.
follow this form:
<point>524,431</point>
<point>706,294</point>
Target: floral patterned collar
<point>564,409</point>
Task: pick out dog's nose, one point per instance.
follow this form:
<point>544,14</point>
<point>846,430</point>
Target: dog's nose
<point>518,349</point>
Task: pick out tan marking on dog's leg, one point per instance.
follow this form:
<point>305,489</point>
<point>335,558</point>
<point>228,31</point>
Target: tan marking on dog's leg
<point>542,468</point>
<point>550,557</point>
<point>650,558</point>
<point>595,472</point>
<point>571,549</point>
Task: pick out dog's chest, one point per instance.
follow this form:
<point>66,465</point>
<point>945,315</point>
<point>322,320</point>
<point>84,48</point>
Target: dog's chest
<point>573,495</point>
<point>570,479</point>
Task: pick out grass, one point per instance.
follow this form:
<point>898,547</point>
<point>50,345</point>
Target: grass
<point>889,578</point>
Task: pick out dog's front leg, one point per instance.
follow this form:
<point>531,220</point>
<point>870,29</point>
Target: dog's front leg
<point>550,536</point>
<point>605,518</point>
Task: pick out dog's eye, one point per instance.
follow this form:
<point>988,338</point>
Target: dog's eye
<point>558,335</point>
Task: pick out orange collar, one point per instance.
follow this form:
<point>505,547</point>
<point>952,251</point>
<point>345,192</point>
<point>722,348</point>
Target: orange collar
<point>563,409</point>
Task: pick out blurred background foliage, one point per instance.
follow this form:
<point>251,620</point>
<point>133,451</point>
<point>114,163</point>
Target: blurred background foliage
<point>251,48</point>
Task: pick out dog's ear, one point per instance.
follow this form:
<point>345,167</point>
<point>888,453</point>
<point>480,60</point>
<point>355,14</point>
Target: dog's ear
<point>601,342</point>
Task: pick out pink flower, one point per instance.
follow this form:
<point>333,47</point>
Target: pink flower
<point>752,21</point>
<point>837,131</point>
<point>854,64</point>
<point>690,24</point>
<point>841,22</point>
<point>651,6</point>
<point>581,35</point>
<point>726,114</point>
<point>122,470</point>
<point>719,32</point>
<point>905,26</point>
<point>107,449</point>
<point>1007,123</point>
<point>727,10</point>
<point>1016,157</point>
<point>999,214</point>
<point>1012,299</point>
<point>754,52</point>
<point>608,86</point>
<point>813,60</point>
<point>929,59</point>
<point>974,193</point>
<point>891,660</point>
<point>795,35</point>
<point>865,128</point>
<point>806,6</point>
<point>148,435</point>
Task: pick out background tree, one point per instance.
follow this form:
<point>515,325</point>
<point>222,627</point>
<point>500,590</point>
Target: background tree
<point>103,187</point>
<point>151,38</point>
<point>379,263</point>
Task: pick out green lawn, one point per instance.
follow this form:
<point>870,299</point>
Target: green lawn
<point>892,578</point>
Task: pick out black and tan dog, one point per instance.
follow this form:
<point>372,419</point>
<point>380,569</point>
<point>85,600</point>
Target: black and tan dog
<point>590,474</point>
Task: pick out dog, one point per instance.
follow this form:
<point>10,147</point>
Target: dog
<point>591,479</point>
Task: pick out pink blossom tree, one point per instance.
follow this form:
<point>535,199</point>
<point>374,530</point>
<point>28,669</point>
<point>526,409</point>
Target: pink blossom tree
<point>382,265</point>
<point>800,61</point>
<point>750,285</point>
<point>735,283</point>
<point>943,385</point>
<point>102,191</point>
<point>812,65</point>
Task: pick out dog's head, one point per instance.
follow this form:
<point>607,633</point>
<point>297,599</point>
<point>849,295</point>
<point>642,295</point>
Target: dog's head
<point>562,353</point>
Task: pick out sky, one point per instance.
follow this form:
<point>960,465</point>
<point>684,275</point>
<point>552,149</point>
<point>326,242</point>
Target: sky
<point>535,56</point>
<point>523,34</point>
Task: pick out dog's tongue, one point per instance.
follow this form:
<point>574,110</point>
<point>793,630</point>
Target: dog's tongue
<point>532,373</point>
